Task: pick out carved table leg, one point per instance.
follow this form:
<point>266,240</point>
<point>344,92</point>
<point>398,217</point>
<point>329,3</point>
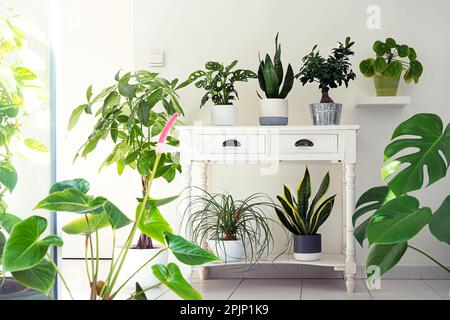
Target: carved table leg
<point>203,184</point>
<point>350,246</point>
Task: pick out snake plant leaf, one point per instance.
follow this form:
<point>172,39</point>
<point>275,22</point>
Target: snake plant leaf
<point>270,78</point>
<point>382,258</point>
<point>277,64</point>
<point>261,80</point>
<point>8,175</point>
<point>152,223</point>
<point>172,278</point>
<point>8,221</point>
<point>80,184</point>
<point>87,225</point>
<point>433,144</point>
<point>24,248</point>
<point>303,195</point>
<point>288,83</point>
<point>440,222</point>
<point>188,252</point>
<point>116,217</point>
<point>292,214</point>
<point>40,277</point>
<point>321,214</point>
<point>320,193</point>
<point>287,222</point>
<point>397,221</point>
<point>71,200</point>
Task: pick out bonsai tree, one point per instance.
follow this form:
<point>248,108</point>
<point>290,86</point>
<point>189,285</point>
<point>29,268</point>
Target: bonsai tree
<point>219,82</point>
<point>270,75</point>
<point>396,216</point>
<point>128,116</point>
<point>331,72</point>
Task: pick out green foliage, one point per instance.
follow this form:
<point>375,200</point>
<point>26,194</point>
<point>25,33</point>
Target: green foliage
<point>396,217</point>
<point>331,72</point>
<point>172,278</point>
<point>153,224</point>
<point>297,215</point>
<point>41,277</point>
<point>186,251</point>
<point>391,61</point>
<point>270,75</point>
<point>218,81</point>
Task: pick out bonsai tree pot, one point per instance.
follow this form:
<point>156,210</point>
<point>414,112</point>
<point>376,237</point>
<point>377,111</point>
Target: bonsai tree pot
<point>326,113</point>
<point>385,86</point>
<point>224,115</point>
<point>307,247</point>
<point>228,250</point>
<point>273,112</point>
<point>134,260</point>
<point>12,290</point>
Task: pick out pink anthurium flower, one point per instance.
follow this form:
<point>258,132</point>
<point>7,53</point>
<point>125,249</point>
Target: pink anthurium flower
<point>165,132</point>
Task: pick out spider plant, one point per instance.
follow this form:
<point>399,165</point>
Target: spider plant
<point>218,218</point>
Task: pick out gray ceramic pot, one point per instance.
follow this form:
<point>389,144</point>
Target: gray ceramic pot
<point>326,113</point>
<point>308,248</point>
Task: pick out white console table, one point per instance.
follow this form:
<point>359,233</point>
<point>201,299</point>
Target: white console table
<point>206,146</point>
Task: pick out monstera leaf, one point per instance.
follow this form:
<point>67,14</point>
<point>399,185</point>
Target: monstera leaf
<point>382,258</point>
<point>433,153</point>
<point>440,222</point>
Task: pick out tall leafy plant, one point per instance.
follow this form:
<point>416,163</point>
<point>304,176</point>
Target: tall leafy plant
<point>129,114</point>
<point>271,73</point>
<point>419,144</point>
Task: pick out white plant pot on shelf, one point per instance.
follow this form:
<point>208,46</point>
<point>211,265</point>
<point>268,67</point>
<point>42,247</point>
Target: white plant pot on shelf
<point>224,115</point>
<point>134,260</point>
<point>228,250</point>
<point>274,112</point>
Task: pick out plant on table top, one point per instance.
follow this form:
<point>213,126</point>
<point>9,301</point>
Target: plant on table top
<point>300,217</point>
<point>331,72</point>
<point>270,75</point>
<point>390,62</point>
<point>128,116</point>
<point>219,82</point>
<point>396,217</point>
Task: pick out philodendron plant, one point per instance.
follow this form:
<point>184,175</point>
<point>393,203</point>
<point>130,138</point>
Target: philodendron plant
<point>128,116</point>
<point>419,144</point>
<point>271,73</point>
<point>26,253</point>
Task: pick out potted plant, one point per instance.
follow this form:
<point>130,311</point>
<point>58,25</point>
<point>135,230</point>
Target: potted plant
<point>233,229</point>
<point>304,220</point>
<point>219,82</point>
<point>127,117</point>
<point>274,110</point>
<point>386,69</point>
<point>331,72</point>
<point>15,79</point>
<point>393,217</point>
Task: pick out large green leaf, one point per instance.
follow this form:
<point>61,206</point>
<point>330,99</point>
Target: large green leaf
<point>303,195</point>
<point>152,224</point>
<point>188,252</point>
<point>8,221</point>
<point>116,217</point>
<point>40,277</point>
<point>172,278</point>
<point>382,258</point>
<point>87,224</point>
<point>433,144</point>
<point>397,221</point>
<point>80,184</point>
<point>270,77</point>
<point>440,222</point>
<point>24,248</point>
<point>8,175</point>
<point>71,200</point>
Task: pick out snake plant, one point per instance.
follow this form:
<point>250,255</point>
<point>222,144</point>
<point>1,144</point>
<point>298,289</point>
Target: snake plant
<point>297,215</point>
<point>270,76</point>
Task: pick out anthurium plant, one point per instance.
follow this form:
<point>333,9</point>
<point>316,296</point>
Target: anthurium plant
<point>26,250</point>
<point>419,144</point>
<point>131,114</point>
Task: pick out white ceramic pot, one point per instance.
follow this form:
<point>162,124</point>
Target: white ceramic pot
<point>134,260</point>
<point>224,115</point>
<point>274,112</point>
<point>228,250</point>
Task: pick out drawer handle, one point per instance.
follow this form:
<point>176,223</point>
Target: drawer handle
<point>231,143</point>
<point>304,143</point>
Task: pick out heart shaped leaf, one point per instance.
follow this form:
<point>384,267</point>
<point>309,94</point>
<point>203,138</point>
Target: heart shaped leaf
<point>172,278</point>
<point>72,200</point>
<point>79,184</point>
<point>188,252</point>
<point>87,224</point>
<point>116,217</point>
<point>152,223</point>
<point>40,277</point>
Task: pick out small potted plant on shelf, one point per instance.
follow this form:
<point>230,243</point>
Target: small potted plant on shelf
<point>219,82</point>
<point>304,220</point>
<point>331,72</point>
<point>233,229</point>
<point>274,109</point>
<point>386,69</point>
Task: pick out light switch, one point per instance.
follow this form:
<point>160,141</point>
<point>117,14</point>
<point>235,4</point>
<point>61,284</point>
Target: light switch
<point>157,58</point>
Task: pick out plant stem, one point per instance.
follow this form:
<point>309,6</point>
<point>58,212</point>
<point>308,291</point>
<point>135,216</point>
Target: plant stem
<point>86,249</point>
<point>93,268</point>
<point>60,276</point>
<point>430,257</point>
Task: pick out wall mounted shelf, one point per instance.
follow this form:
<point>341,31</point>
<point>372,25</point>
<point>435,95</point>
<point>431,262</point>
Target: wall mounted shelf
<point>397,101</point>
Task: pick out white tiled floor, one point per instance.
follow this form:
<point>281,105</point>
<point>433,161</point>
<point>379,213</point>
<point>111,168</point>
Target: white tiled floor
<point>277,289</point>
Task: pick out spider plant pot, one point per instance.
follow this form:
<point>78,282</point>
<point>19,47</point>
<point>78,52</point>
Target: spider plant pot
<point>326,113</point>
<point>224,115</point>
<point>385,86</point>
<point>135,259</point>
<point>12,290</point>
<point>273,112</point>
<point>308,247</point>
<point>228,250</point>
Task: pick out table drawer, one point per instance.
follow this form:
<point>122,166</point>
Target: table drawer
<point>231,144</point>
<point>318,143</point>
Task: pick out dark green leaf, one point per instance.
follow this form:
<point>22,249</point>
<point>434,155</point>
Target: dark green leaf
<point>139,294</point>
<point>188,252</point>
<point>40,277</point>
<point>440,222</point>
<point>80,184</point>
<point>152,223</point>
<point>8,221</point>
<point>116,217</point>
<point>382,258</point>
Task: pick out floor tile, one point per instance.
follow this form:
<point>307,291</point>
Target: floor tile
<point>404,290</point>
<point>441,286</point>
<point>268,289</point>
<point>332,289</point>
<point>213,289</point>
